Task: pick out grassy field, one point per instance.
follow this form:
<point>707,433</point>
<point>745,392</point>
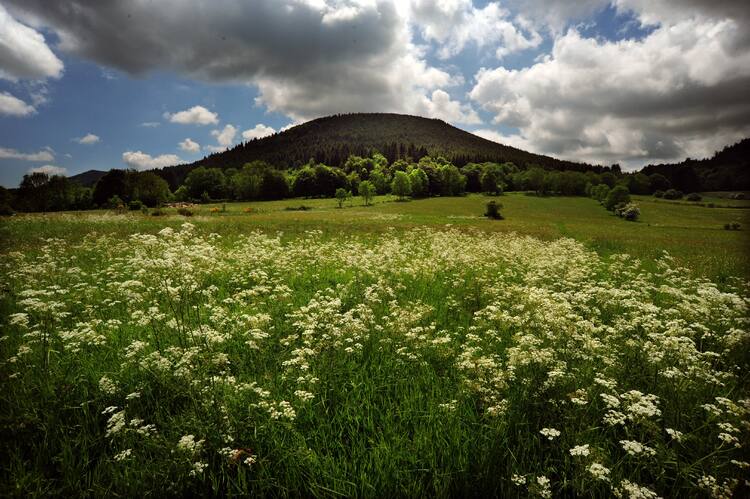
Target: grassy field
<point>402,349</point>
<point>694,235</point>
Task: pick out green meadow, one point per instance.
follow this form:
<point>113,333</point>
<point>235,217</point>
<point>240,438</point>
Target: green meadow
<point>692,233</point>
<point>401,349</point>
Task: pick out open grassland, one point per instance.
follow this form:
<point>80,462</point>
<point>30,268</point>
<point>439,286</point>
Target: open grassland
<point>692,234</point>
<point>400,349</point>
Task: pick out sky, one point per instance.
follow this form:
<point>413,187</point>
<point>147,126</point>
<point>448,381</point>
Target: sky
<point>100,84</point>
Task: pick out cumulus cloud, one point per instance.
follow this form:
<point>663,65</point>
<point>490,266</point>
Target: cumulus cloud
<point>23,51</point>
<point>13,106</point>
<point>49,170</point>
<point>259,131</point>
<point>637,101</point>
<point>88,139</point>
<point>196,115</point>
<point>455,24</point>
<point>44,155</point>
<point>439,105</point>
<point>307,58</point>
<point>142,161</point>
<point>224,137</point>
<point>190,146</point>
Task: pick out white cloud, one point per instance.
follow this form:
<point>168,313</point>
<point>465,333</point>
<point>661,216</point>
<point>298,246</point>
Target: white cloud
<point>224,137</point>
<point>13,106</point>
<point>259,131</point>
<point>49,170</point>
<point>190,146</point>
<point>455,24</point>
<point>632,100</point>
<point>45,155</point>
<point>150,124</point>
<point>196,115</point>
<point>142,161</point>
<point>307,58</point>
<point>88,139</point>
<point>24,53</point>
<point>439,105</point>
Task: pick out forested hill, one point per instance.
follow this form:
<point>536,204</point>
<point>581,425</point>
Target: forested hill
<point>727,170</point>
<point>331,140</point>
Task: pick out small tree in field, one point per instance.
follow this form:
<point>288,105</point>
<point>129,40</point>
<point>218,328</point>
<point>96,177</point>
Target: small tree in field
<point>367,191</point>
<point>401,185</point>
<point>618,195</point>
<point>493,210</point>
<point>342,195</point>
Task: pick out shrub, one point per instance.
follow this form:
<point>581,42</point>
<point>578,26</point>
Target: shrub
<point>185,212</point>
<point>658,194</point>
<point>618,195</point>
<point>144,209</point>
<point>115,203</point>
<point>157,212</point>
<point>367,191</point>
<point>135,205</point>
<point>493,210</point>
<point>600,192</point>
<point>693,196</point>
<point>6,210</point>
<point>673,194</point>
<point>629,211</point>
<point>342,195</point>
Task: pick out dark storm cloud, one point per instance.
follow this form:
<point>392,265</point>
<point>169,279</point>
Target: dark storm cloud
<point>216,40</point>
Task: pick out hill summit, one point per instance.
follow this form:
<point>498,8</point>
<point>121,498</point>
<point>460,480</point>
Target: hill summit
<point>332,139</point>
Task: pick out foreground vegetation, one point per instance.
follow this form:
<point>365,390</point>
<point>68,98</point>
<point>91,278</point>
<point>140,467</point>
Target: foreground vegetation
<point>376,351</point>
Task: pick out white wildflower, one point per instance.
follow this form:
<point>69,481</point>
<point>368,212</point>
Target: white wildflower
<point>550,433</point>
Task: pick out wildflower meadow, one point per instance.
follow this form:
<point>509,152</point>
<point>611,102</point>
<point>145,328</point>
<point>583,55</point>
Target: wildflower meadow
<point>410,362</point>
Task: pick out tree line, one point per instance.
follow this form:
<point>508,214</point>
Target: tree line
<point>259,180</point>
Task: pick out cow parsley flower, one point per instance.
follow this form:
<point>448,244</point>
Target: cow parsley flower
<point>599,472</point>
<point>580,450</point>
<point>550,433</point>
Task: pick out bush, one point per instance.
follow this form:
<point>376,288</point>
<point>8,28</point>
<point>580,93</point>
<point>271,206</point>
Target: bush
<point>673,194</point>
<point>115,203</point>
<point>342,195</point>
<point>184,212</point>
<point>693,196</point>
<point>658,194</point>
<point>157,212</point>
<point>135,205</point>
<point>618,195</point>
<point>6,210</point>
<point>367,191</point>
<point>144,209</point>
<point>629,211</point>
<point>493,210</point>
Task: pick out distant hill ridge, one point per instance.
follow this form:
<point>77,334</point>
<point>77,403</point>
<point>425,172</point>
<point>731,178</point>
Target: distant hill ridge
<point>332,139</point>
